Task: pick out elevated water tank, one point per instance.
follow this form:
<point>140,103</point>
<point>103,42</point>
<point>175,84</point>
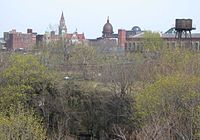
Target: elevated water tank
<point>188,24</point>
<point>183,24</point>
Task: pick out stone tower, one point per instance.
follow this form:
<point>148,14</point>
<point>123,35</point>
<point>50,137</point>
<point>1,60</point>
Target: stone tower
<point>62,26</point>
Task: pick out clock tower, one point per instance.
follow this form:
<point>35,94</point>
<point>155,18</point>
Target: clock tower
<point>62,26</point>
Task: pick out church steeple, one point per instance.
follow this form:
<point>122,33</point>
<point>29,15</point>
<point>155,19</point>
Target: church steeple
<point>62,26</point>
<point>62,16</point>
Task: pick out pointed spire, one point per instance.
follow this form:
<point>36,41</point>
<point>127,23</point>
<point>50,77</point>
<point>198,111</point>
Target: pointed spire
<point>62,26</point>
<point>62,16</point>
<point>108,19</point>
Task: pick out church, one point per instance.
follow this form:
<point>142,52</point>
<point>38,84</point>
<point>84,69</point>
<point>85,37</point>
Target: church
<point>71,39</point>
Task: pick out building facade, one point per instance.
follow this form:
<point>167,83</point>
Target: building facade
<point>129,40</point>
<point>137,43</point>
<point>20,41</point>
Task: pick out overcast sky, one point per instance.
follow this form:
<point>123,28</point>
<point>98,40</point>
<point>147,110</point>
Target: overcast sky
<point>89,16</point>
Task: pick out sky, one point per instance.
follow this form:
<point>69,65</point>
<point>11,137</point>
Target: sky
<point>89,16</point>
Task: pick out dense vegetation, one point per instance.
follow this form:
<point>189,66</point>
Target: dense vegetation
<point>153,95</point>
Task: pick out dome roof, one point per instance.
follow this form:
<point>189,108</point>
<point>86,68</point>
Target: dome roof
<point>108,28</point>
<point>136,29</point>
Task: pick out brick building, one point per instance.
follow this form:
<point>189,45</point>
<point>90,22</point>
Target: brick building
<point>17,40</point>
<point>136,43</point>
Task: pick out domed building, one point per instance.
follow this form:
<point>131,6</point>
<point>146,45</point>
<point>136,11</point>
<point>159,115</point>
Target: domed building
<point>107,30</point>
<point>108,41</point>
<point>136,30</point>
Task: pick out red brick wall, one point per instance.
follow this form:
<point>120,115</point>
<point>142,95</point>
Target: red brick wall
<point>121,37</point>
<point>19,40</point>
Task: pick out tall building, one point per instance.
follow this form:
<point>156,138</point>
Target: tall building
<point>62,26</point>
<point>17,40</point>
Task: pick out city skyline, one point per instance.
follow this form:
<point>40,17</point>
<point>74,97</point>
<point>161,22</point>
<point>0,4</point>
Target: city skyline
<point>89,16</point>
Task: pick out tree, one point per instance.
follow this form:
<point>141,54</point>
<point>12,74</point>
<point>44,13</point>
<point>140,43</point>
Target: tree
<point>53,53</point>
<point>152,41</point>
<point>169,108</point>
<point>26,81</point>
<point>19,124</point>
<point>25,77</point>
<point>83,59</point>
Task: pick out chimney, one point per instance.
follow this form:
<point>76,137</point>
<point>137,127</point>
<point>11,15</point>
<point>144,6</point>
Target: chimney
<point>53,33</point>
<point>121,37</point>
<point>29,31</point>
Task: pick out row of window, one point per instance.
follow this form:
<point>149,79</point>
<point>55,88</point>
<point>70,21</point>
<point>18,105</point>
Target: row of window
<point>139,46</point>
<point>195,45</point>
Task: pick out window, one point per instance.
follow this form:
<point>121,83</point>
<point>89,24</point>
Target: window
<point>197,45</point>
<point>134,47</point>
<point>173,44</point>
<point>167,44</point>
<point>129,46</point>
<point>125,46</point>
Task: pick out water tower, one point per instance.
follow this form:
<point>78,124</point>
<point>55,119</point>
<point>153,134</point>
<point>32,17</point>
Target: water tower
<point>183,28</point>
